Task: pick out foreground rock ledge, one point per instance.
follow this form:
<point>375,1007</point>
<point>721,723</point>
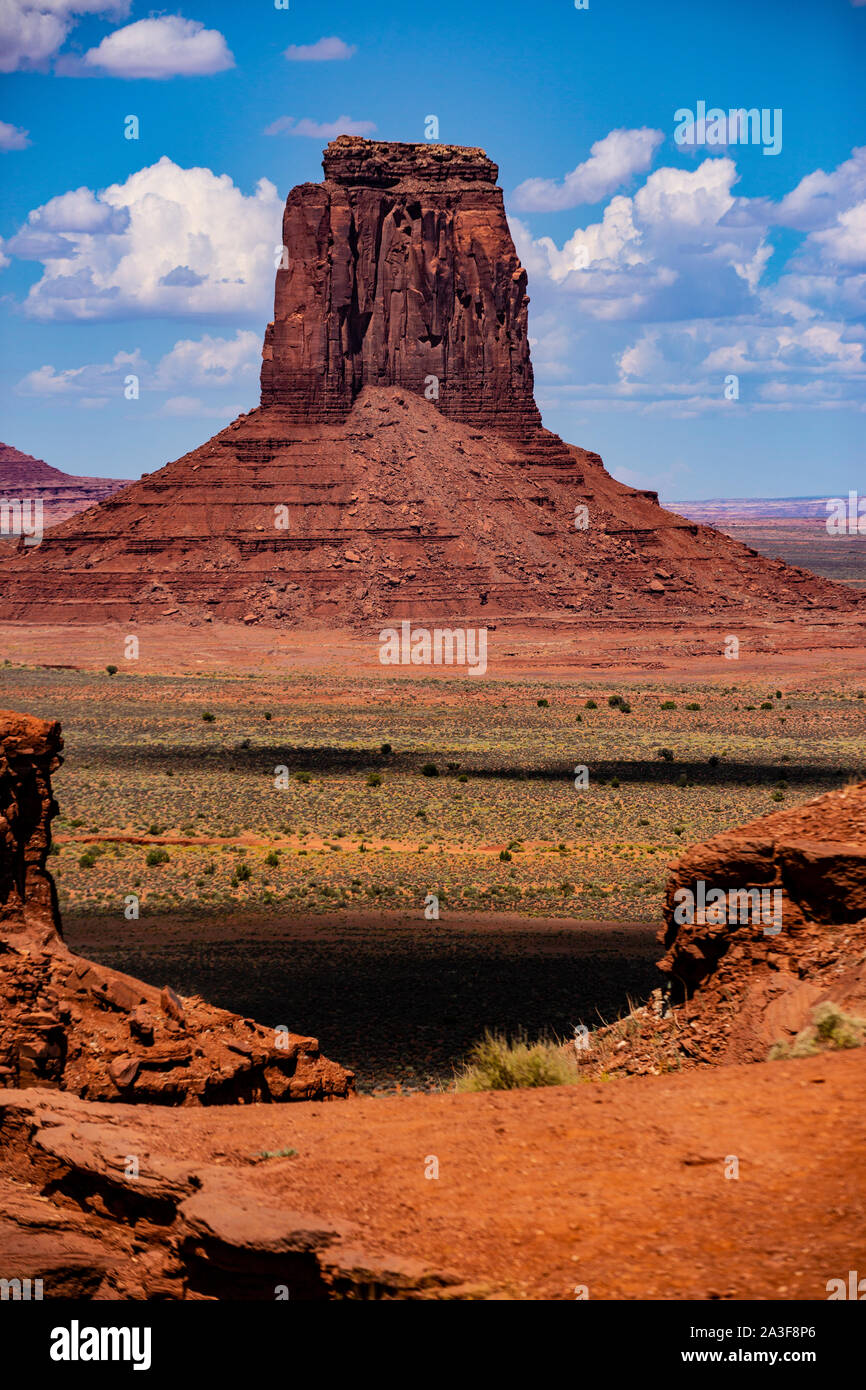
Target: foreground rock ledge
<point>736,988</point>
<point>68,1023</point>
<point>94,1204</point>
<point>750,987</point>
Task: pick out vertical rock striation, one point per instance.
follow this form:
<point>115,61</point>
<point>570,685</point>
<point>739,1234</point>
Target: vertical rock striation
<point>401,272</point>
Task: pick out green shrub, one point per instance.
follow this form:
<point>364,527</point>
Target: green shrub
<point>669,704</point>
<point>693,704</point>
<point>303,777</point>
<point>373,779</point>
<point>505,856</point>
<point>272,860</point>
<point>667,754</point>
<point>837,1028</point>
<point>497,1064</point>
<point>112,670</point>
<point>385,748</point>
<point>767,704</point>
<point>156,856</point>
<point>590,704</point>
<point>243,872</point>
<point>208,717</point>
<point>430,770</point>
<point>89,858</point>
<point>542,704</point>
<point>830,1030</point>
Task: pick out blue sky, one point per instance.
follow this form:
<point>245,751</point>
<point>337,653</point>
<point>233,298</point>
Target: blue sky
<point>657,270</point>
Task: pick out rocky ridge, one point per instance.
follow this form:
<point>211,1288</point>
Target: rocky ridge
<point>738,986</point>
<point>62,494</point>
<point>68,1023</point>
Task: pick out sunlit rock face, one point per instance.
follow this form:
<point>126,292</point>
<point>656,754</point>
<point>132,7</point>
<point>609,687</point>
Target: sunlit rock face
<point>401,272</point>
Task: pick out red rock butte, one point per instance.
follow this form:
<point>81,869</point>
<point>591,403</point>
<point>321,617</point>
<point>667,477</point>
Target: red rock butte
<point>401,272</point>
<point>397,466</point>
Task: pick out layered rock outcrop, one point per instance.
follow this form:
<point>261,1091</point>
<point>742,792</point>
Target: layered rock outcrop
<point>132,1204</point>
<point>66,1022</point>
<point>401,272</point>
<point>397,467</point>
<point>62,494</point>
<point>764,925</point>
<point>765,922</point>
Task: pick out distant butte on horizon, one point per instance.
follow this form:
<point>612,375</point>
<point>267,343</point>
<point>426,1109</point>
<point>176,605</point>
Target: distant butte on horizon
<point>62,494</point>
<point>397,466</point>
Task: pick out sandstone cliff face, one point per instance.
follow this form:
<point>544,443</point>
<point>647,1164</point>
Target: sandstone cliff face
<point>71,1024</point>
<point>29,753</point>
<point>401,270</point>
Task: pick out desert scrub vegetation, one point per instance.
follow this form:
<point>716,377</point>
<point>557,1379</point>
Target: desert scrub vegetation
<point>141,761</point>
<point>831,1030</point>
<point>497,1063</point>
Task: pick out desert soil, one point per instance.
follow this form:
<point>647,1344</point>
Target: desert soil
<point>617,1187</point>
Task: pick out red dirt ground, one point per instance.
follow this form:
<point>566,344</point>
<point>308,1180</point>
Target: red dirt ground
<point>811,649</point>
<point>619,1186</point>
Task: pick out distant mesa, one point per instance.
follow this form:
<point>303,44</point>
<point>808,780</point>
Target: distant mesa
<point>397,466</point>
<point>62,494</point>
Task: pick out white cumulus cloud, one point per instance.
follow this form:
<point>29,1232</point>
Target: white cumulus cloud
<point>210,361</point>
<point>324,51</point>
<point>12,137</point>
<point>688,260</point>
<point>168,46</point>
<point>192,406</point>
<point>213,364</point>
<point>95,379</point>
<point>612,161</point>
<point>168,241</point>
<point>32,31</point>
<point>316,130</point>
<point>845,242</point>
